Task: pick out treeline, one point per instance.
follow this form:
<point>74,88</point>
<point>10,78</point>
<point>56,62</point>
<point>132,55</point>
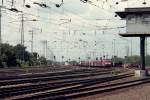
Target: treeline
<point>18,56</point>
<point>135,59</point>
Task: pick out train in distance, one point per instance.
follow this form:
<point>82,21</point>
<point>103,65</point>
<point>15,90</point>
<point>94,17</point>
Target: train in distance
<point>100,63</point>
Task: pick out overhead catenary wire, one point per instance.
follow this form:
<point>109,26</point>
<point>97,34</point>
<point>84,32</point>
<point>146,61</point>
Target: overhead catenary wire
<point>74,25</point>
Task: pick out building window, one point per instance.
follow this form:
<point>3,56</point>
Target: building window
<point>146,19</point>
<point>131,19</point>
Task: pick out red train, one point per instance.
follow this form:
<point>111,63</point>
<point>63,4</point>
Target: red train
<point>97,63</point>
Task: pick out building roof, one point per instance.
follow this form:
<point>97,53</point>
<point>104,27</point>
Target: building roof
<point>136,11</point>
<point>134,35</point>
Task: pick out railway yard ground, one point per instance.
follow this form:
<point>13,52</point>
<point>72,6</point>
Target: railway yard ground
<point>72,83</point>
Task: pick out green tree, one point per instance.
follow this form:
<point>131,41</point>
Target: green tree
<point>18,56</point>
<point>42,60</point>
<point>133,59</point>
<point>8,57</point>
<point>116,59</point>
<point>147,60</point>
<point>19,50</point>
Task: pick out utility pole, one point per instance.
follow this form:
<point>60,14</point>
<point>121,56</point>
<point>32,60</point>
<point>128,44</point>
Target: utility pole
<point>2,2</point>
<point>12,3</point>
<point>146,53</point>
<point>103,51</point>
<point>33,31</point>
<point>112,48</point>
<point>22,36</point>
<point>1,6</point>
<point>0,29</point>
<point>45,48</point>
<point>114,57</point>
<point>24,2</point>
<point>22,29</point>
<point>127,50</point>
<point>131,47</point>
<point>32,40</point>
<point>114,40</point>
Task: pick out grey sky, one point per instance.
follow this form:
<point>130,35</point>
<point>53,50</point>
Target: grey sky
<point>76,38</point>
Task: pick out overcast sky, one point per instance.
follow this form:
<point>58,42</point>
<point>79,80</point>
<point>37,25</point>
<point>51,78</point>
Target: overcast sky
<point>73,30</point>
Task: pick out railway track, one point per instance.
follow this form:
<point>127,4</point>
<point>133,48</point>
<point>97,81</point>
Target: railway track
<point>76,91</point>
<point>57,86</point>
<point>32,75</point>
<point>54,76</point>
<point>6,92</point>
<point>64,72</point>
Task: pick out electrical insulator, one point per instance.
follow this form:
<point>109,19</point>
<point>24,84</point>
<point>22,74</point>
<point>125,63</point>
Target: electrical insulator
<point>144,3</point>
<point>84,1</point>
<point>14,10</point>
<point>117,3</point>
<point>28,6</point>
